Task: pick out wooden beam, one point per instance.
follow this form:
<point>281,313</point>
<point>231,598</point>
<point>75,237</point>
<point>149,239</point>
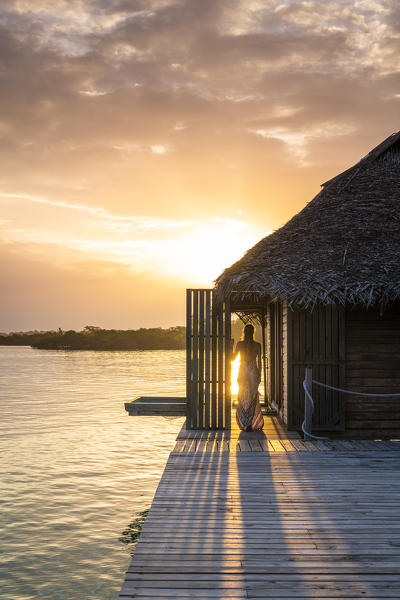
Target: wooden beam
<point>227,399</point>
<point>189,388</point>
<point>220,412</point>
<point>207,374</point>
<point>201,360</point>
<point>195,361</point>
<point>214,371</point>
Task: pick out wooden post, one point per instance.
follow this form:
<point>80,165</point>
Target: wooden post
<point>214,349</point>
<point>266,399</point>
<point>220,367</point>
<point>189,415</point>
<point>195,361</point>
<point>207,361</point>
<point>308,408</point>
<point>201,362</point>
<point>227,317</point>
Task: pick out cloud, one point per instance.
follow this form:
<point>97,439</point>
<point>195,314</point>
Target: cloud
<point>148,117</point>
<point>132,222</point>
<point>192,252</point>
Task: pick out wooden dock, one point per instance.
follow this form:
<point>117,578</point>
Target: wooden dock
<point>269,516</point>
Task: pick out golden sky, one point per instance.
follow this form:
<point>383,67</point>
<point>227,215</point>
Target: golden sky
<point>146,144</point>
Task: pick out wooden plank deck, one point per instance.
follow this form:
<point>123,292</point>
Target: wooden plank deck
<point>274,518</point>
<point>272,430</point>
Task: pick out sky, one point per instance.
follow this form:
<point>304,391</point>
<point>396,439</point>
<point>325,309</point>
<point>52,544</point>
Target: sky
<point>145,145</point>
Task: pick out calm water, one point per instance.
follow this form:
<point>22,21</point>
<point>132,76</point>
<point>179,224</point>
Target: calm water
<point>76,469</point>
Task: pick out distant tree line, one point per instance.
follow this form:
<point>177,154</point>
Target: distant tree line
<point>96,338</point>
<point>23,338</point>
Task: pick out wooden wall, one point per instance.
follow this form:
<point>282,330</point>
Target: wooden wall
<point>316,339</point>
<point>373,365</point>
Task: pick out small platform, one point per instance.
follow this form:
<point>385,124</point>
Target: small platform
<point>168,406</point>
<point>156,405</point>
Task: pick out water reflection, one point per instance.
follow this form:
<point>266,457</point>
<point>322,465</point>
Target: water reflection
<point>74,465</point>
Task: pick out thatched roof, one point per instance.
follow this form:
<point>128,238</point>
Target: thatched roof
<point>343,247</point>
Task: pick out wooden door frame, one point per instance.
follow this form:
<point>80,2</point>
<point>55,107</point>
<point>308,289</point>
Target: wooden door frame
<point>275,315</point>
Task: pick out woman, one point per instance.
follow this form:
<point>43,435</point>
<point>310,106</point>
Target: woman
<point>248,409</point>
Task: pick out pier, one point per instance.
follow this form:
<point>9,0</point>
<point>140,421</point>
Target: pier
<point>266,515</point>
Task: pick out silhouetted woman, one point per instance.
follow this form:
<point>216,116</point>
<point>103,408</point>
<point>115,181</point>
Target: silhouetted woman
<point>248,409</point>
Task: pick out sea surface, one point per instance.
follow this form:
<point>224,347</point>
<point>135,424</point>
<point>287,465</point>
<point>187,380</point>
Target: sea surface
<point>76,471</point>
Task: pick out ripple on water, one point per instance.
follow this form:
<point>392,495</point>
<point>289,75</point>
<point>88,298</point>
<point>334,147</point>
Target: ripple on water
<point>77,473</point>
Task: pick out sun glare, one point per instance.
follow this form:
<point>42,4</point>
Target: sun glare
<point>234,375</point>
<point>192,252</point>
<point>203,253</point>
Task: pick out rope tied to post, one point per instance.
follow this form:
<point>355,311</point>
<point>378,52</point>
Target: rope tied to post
<point>336,389</point>
<point>308,434</point>
<point>303,425</point>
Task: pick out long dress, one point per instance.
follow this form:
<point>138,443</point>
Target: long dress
<point>248,410</point>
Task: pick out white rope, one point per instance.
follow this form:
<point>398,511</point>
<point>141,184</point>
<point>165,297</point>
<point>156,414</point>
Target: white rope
<point>335,389</point>
<point>303,425</point>
<point>331,387</point>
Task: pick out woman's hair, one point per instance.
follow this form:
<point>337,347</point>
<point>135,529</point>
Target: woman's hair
<point>248,333</point>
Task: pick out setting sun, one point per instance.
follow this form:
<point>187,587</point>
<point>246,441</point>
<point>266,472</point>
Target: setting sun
<point>200,253</point>
<point>234,375</point>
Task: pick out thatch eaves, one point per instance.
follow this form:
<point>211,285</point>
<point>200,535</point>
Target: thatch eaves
<point>342,248</point>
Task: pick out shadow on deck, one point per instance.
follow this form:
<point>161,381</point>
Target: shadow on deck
<point>231,523</point>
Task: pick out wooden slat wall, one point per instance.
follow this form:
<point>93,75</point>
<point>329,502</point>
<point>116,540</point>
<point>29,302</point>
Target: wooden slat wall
<point>373,365</point>
<point>208,361</point>
<point>316,339</point>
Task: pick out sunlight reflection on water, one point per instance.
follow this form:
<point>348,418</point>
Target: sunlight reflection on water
<point>76,470</point>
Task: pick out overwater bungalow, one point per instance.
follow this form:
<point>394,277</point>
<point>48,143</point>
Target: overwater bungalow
<point>326,289</point>
<point>266,514</point>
